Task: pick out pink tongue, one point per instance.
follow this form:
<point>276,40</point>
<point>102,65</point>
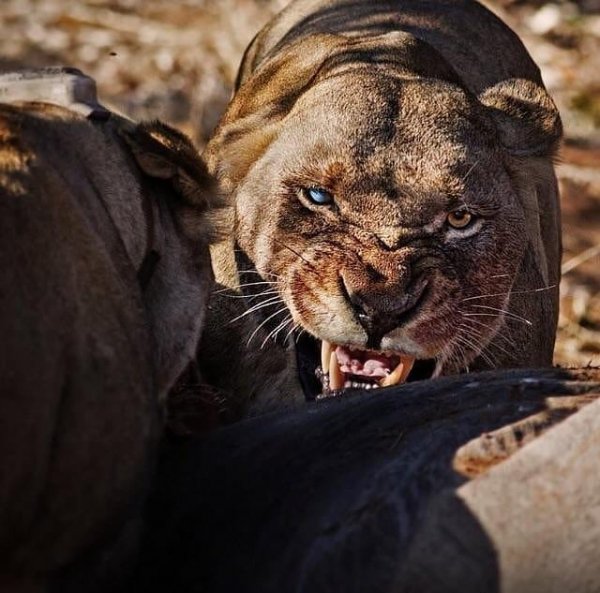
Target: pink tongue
<point>360,362</point>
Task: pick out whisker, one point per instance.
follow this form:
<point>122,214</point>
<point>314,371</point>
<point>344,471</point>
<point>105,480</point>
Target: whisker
<point>491,342</point>
<point>498,333</point>
<point>221,290</point>
<point>289,323</point>
<point>274,333</point>
<point>483,296</point>
<point>249,297</point>
<point>452,357</point>
<point>464,341</point>
<point>269,300</point>
<point>461,352</point>
<point>249,284</point>
<point>295,326</point>
<point>268,303</point>
<point>515,318</point>
<point>477,347</point>
<point>505,312</point>
<point>263,323</point>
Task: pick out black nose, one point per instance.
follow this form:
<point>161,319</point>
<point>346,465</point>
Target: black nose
<point>380,313</point>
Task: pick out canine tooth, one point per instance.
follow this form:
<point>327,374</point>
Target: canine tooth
<point>408,362</point>
<point>400,373</point>
<point>326,350</point>
<point>391,379</point>
<point>336,377</point>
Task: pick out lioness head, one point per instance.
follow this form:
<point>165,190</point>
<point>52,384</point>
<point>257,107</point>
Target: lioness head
<point>380,197</point>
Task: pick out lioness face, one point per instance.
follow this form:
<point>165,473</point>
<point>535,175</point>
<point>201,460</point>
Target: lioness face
<point>383,209</point>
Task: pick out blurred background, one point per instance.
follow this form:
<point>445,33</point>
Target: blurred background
<point>176,60</point>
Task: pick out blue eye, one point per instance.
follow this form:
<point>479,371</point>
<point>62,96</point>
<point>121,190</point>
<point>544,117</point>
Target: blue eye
<point>317,196</point>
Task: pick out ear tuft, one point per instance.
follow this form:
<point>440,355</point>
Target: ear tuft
<point>525,116</point>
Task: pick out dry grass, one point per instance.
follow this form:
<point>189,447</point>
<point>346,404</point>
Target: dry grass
<point>177,61</point>
<point>173,60</point>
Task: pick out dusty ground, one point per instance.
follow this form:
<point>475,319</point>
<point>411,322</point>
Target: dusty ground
<point>177,59</point>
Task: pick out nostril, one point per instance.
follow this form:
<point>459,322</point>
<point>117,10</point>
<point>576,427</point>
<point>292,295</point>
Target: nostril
<point>358,304</point>
<point>418,291</point>
<point>359,309</point>
<point>380,311</point>
<point>363,317</point>
<point>412,299</point>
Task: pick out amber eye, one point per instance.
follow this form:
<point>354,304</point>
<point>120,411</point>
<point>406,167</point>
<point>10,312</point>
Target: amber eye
<point>460,219</point>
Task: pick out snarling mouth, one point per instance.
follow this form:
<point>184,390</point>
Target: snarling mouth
<point>350,367</point>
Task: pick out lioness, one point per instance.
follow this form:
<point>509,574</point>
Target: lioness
<point>104,274</point>
<point>395,200</point>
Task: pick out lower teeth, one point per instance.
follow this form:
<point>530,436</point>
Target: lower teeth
<point>325,382</point>
<point>359,385</point>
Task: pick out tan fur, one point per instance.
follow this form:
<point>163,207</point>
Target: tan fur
<point>90,344</point>
<point>403,111</point>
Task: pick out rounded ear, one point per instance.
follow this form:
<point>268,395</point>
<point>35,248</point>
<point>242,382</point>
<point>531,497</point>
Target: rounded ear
<point>166,153</point>
<point>526,118</point>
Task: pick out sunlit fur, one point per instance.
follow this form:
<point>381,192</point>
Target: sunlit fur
<point>401,128</point>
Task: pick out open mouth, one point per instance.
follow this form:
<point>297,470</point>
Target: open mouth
<point>348,367</point>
